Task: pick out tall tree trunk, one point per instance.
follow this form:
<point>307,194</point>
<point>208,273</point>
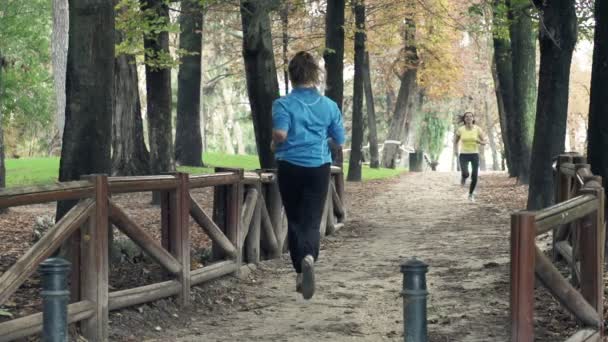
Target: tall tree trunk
<point>503,83</point>
<point>598,107</point>
<point>158,95</point>
<point>2,165</point>
<point>89,92</point>
<point>260,70</point>
<point>285,28</point>
<point>130,156</point>
<point>354,163</point>
<point>59,46</point>
<point>408,84</point>
<point>188,139</point>
<point>557,39</point>
<point>334,63</point>
<point>490,134</point>
<point>523,46</point>
<point>374,161</point>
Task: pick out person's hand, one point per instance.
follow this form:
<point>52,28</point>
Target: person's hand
<point>272,145</point>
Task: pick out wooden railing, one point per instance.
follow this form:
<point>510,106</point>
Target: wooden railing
<point>577,222</point>
<point>248,224</point>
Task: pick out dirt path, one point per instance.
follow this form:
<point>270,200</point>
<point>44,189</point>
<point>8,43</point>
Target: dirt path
<point>424,215</point>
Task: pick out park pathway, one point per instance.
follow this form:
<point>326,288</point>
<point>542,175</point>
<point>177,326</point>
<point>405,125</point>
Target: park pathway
<point>425,215</point>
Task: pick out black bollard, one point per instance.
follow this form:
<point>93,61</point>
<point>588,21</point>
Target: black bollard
<point>55,297</point>
<point>414,300</point>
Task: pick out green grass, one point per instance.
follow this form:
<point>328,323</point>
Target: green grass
<point>39,171</point>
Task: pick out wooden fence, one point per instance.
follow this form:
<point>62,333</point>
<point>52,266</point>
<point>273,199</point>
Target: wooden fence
<point>247,225</point>
<point>577,222</point>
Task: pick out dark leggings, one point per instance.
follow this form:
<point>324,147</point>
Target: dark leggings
<point>465,159</point>
<point>303,192</point>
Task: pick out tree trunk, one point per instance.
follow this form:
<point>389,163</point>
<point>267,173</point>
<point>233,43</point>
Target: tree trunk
<point>408,84</point>
<point>260,70</point>
<point>598,107</point>
<point>285,28</point>
<point>558,27</point>
<point>89,92</point>
<point>59,46</point>
<point>523,46</point>
<point>334,63</point>
<point>158,95</point>
<point>503,83</point>
<point>188,139</point>
<point>2,165</point>
<point>130,157</point>
<point>374,162</point>
<point>354,163</point>
<point>491,140</point>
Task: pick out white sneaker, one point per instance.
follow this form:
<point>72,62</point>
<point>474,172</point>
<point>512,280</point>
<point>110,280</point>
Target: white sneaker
<point>308,277</point>
<point>471,198</point>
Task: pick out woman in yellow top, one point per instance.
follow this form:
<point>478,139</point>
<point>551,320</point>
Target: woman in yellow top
<point>470,137</point>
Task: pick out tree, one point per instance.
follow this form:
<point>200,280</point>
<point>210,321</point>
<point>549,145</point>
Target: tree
<point>2,165</point>
<point>188,139</point>
<point>261,74</point>
<point>130,156</point>
<point>89,93</point>
<point>523,47</point>
<point>598,107</point>
<point>557,37</point>
<point>374,162</point>
<point>354,163</point>
<point>158,92</point>
<point>399,120</point>
<point>333,55</point>
<point>59,42</point>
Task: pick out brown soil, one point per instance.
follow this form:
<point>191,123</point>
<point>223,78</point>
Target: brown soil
<point>358,297</point>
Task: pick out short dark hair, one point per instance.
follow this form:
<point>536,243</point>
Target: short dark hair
<point>303,69</point>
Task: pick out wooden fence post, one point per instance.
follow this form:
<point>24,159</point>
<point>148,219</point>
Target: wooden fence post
<point>591,249</point>
<point>227,213</point>
<point>563,184</point>
<point>180,234</point>
<point>94,263</point>
<point>252,240</point>
<point>523,249</point>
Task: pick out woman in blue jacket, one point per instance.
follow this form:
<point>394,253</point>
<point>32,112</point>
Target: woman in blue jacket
<point>303,121</point>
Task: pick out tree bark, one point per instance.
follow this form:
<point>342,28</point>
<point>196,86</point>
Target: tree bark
<point>354,163</point>
<point>2,164</point>
<point>285,28</point>
<point>130,156</point>
<point>59,46</point>
<point>374,161</point>
<point>598,107</point>
<point>261,74</point>
<point>398,124</point>
<point>158,95</point>
<point>523,47</point>
<point>557,36</point>
<point>503,83</point>
<point>334,62</point>
<point>188,139</point>
<point>89,93</point>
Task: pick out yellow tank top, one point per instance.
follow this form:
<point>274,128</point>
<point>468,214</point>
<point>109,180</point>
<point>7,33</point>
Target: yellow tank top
<point>468,139</point>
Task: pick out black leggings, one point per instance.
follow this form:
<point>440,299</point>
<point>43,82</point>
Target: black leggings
<point>465,159</point>
<point>303,192</point>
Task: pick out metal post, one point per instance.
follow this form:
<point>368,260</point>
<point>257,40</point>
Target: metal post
<point>414,300</point>
<point>55,297</point>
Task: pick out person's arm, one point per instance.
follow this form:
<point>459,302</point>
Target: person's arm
<point>280,123</point>
<point>336,127</point>
<point>456,140</point>
<point>483,140</point>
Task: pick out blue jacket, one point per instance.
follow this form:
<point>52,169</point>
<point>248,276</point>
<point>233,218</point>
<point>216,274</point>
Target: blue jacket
<point>309,119</point>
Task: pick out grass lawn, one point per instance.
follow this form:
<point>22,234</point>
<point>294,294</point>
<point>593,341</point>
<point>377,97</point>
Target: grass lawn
<point>39,171</point>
